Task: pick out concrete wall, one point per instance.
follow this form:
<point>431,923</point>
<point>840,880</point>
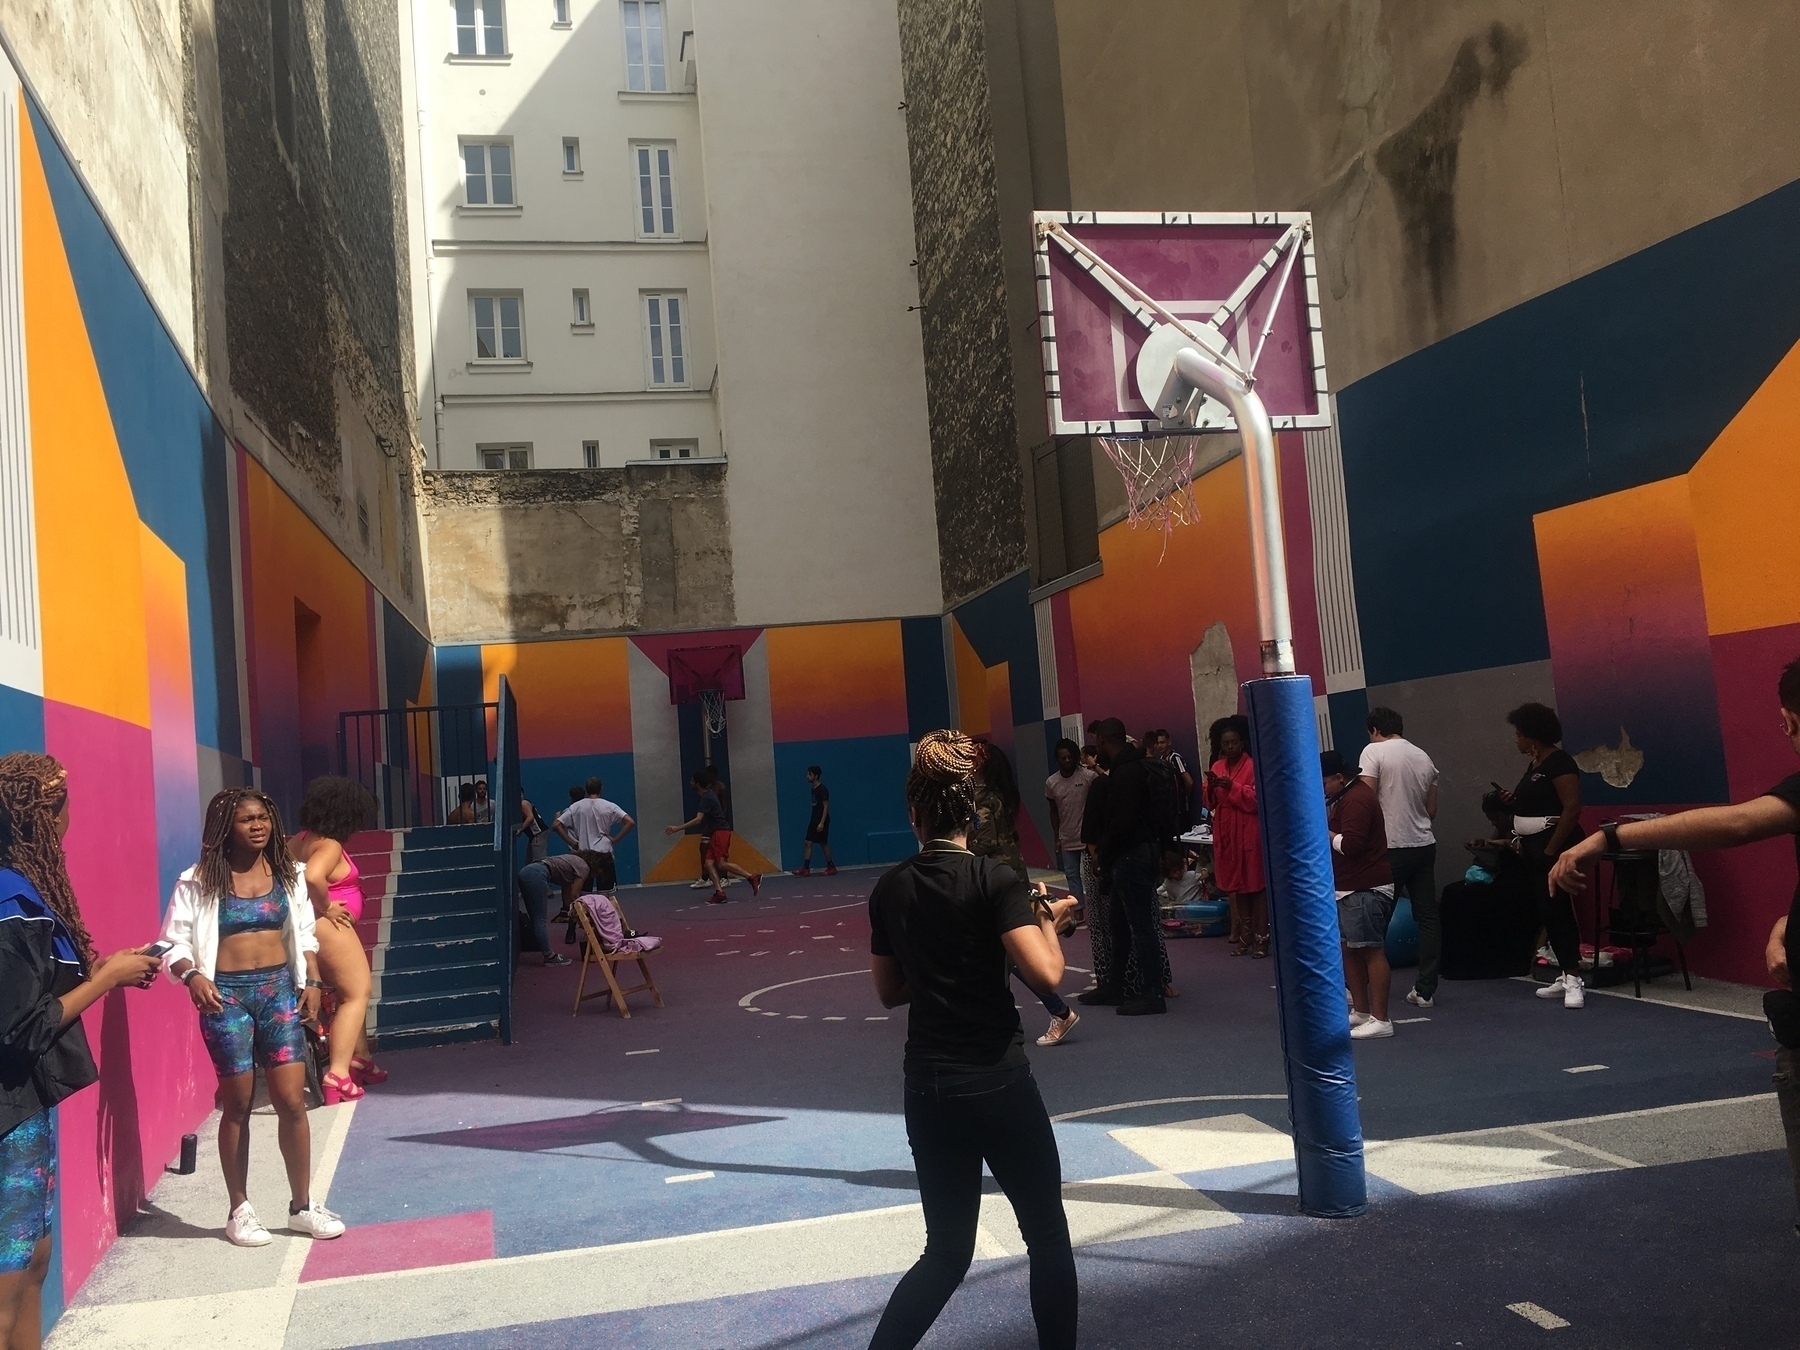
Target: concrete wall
<point>547,553</point>
<point>822,383</point>
<point>1458,157</point>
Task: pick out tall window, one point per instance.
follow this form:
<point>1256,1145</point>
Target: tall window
<point>665,342</point>
<point>644,66</point>
<point>505,456</point>
<point>584,315</point>
<point>561,10</point>
<point>590,454</point>
<point>488,173</point>
<point>499,327</point>
<point>480,27</point>
<point>571,154</point>
<point>656,190</point>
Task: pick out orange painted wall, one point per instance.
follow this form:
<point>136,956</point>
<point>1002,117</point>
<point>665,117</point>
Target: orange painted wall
<point>836,680</point>
<point>574,697</point>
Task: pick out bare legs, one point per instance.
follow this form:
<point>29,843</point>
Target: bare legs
<point>346,968</point>
<point>1368,974</point>
<point>20,1295</point>
<point>1250,920</point>
<point>287,1088</point>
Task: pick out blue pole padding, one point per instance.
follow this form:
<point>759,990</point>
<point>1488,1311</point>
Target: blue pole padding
<point>1309,967</point>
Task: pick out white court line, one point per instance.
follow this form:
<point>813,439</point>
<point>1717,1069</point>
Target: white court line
<point>661,1101</point>
<point>644,1052</point>
<point>687,1176</point>
<point>1650,997</point>
<point>834,1019</point>
<point>755,994</point>
<point>1408,1021</point>
<point>852,905</point>
<point>1170,1101</point>
<point>1580,1147</point>
<point>295,1258</point>
<point>1585,1068</point>
<point>874,1019</point>
<point>1537,1316</point>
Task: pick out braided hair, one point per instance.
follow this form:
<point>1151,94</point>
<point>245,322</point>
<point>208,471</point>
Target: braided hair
<point>213,872</point>
<point>941,787</point>
<point>33,789</point>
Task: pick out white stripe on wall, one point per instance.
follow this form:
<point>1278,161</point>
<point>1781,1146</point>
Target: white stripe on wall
<point>1046,651</point>
<point>1333,581</point>
<point>655,758</point>
<point>750,739</point>
<point>21,655</point>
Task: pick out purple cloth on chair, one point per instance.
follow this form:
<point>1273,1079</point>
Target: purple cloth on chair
<point>611,929</point>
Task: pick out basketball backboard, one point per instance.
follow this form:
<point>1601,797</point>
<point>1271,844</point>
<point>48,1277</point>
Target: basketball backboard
<point>1243,282</point>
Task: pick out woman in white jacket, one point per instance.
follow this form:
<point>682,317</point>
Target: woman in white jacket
<point>240,927</point>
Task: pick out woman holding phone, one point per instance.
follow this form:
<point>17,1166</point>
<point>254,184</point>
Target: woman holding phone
<point>49,975</point>
<point>946,926</point>
<point>240,929</point>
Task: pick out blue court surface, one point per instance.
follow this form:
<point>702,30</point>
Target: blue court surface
<point>732,1170</point>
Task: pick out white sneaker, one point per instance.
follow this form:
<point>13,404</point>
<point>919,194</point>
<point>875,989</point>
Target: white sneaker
<point>1418,1000</point>
<point>1573,994</point>
<point>1371,1029</point>
<point>316,1222</point>
<point>1554,989</point>
<point>244,1229</point>
<point>701,885</point>
<point>1357,1019</point>
<point>1546,954</point>
<point>1060,1027</point>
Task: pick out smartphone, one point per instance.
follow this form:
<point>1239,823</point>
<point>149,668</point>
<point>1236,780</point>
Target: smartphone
<point>158,949</point>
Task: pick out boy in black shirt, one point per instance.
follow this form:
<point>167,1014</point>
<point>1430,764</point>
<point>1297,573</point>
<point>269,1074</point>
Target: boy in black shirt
<point>1776,812</point>
<point>818,826</point>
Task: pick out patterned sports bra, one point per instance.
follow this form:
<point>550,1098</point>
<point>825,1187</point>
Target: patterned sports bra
<point>261,914</point>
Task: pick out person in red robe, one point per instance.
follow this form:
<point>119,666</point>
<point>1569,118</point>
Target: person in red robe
<point>1230,791</point>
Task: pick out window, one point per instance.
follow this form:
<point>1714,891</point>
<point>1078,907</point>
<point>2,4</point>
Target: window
<point>590,454</point>
<point>480,27</point>
<point>655,165</point>
<point>644,70</point>
<point>362,517</point>
<point>561,10</point>
<point>571,154</point>
<point>584,317</point>
<point>505,456</point>
<point>499,328</point>
<point>488,173</point>
<point>281,65</point>
<point>666,344</point>
<point>674,449</point>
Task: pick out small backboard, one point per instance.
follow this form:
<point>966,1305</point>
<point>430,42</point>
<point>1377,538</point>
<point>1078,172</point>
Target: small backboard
<point>1246,281</point>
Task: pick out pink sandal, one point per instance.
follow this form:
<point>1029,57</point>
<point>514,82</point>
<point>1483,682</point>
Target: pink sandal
<point>367,1071</point>
<point>339,1089</point>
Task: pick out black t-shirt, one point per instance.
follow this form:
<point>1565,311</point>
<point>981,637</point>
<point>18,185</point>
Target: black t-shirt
<point>1788,790</point>
<point>821,795</point>
<point>940,914</point>
<point>1536,793</point>
<point>712,814</point>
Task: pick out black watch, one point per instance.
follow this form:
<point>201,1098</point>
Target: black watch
<point>1611,831</point>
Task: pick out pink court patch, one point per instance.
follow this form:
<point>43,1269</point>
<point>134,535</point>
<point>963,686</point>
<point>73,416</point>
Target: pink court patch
<point>408,1244</point>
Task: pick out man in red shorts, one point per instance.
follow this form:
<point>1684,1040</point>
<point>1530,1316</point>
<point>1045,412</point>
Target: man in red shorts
<point>715,835</point>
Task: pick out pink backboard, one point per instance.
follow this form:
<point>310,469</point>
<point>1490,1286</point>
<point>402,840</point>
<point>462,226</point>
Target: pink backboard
<point>1190,264</point>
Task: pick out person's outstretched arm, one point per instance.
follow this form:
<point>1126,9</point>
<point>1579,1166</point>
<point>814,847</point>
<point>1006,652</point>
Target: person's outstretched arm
<point>1707,827</point>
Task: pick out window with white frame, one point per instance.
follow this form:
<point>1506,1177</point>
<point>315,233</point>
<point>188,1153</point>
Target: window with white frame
<point>480,27</point>
<point>499,321</point>
<point>674,449</point>
<point>560,9</point>
<point>590,454</point>
<point>665,341</point>
<point>645,69</point>
<point>654,164</point>
<point>488,174</point>
<point>496,457</point>
<point>571,154</point>
<point>584,314</point>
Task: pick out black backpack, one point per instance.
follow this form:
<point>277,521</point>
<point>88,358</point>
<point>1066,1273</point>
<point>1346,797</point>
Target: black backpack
<point>1162,790</point>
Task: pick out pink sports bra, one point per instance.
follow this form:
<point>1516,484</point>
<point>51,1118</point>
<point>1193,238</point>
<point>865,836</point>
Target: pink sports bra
<point>347,890</point>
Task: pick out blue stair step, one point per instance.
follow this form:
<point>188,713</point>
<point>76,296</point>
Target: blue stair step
<point>412,904</point>
<point>447,878</point>
<point>460,1005</point>
<point>418,981</point>
<point>441,924</point>
<point>447,1033</point>
<point>460,951</point>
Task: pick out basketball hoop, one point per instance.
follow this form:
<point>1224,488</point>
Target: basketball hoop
<point>1159,480</point>
<point>712,707</point>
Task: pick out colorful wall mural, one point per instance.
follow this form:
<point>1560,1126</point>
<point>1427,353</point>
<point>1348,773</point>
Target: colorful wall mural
<point>172,623</point>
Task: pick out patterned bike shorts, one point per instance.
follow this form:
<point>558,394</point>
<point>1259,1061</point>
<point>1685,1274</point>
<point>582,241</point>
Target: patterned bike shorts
<point>259,1024</point>
<point>27,1183</point>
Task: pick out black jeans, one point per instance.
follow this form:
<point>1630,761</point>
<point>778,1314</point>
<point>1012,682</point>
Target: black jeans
<point>1557,911</point>
<point>1133,914</point>
<point>1415,878</point>
<point>956,1120</point>
<point>1787,1097</point>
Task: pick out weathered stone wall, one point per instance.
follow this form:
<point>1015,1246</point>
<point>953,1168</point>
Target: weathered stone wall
<point>558,552</point>
<point>969,378</point>
<point>317,302</point>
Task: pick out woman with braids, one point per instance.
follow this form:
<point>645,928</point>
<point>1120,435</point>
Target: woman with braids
<point>240,929</point>
<point>945,927</point>
<point>48,977</point>
<point>335,809</point>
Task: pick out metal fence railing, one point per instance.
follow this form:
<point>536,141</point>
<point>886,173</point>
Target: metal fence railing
<point>417,760</point>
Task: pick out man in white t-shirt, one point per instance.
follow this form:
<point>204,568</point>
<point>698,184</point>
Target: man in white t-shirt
<point>1406,781</point>
<point>1066,790</point>
<point>588,827</point>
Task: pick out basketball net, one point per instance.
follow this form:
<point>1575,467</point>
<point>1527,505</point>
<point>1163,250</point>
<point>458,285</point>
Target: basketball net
<point>712,707</point>
<point>1159,480</point>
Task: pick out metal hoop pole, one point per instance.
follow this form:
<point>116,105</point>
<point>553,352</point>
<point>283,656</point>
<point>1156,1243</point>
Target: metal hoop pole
<point>1262,482</point>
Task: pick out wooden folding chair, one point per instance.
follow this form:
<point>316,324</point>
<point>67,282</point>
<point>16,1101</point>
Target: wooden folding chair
<point>595,954</point>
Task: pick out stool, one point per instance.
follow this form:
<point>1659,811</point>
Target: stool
<point>1635,922</point>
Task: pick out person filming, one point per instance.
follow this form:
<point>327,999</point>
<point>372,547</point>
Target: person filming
<point>945,927</point>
